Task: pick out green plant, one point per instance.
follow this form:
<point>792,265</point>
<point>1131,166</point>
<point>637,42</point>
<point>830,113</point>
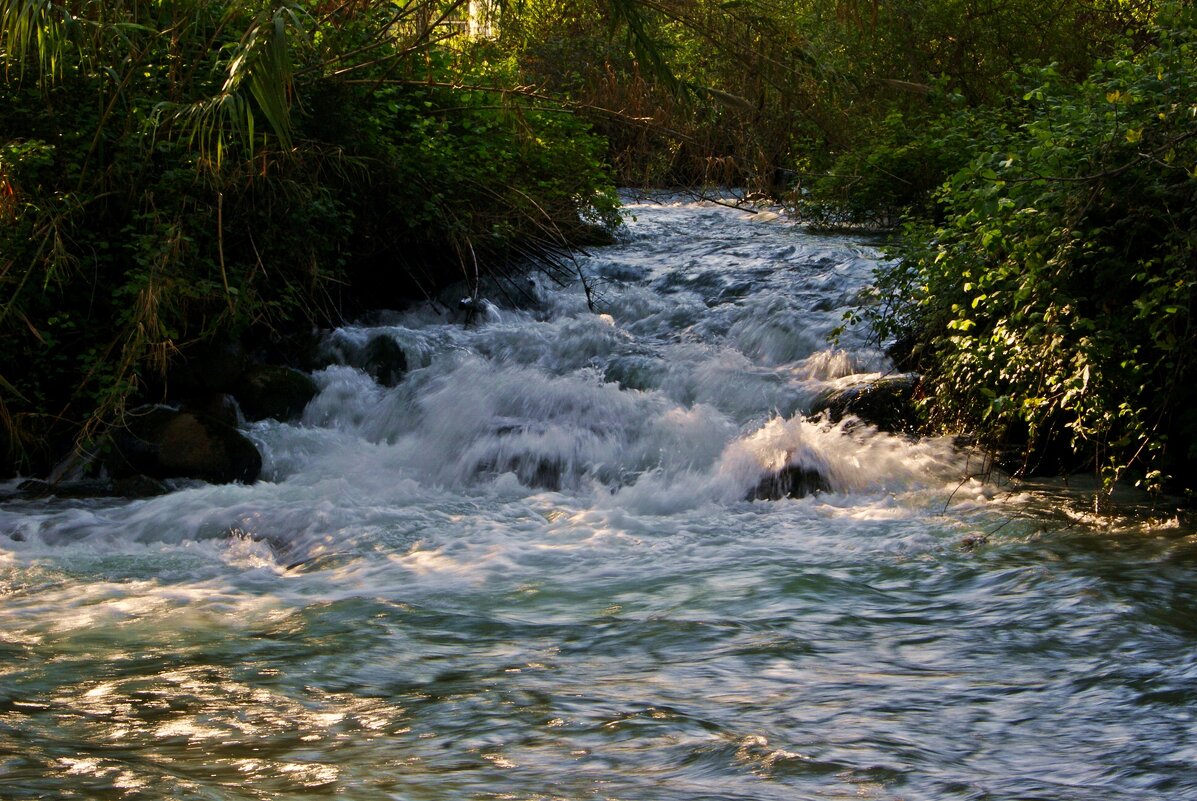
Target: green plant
<point>176,173</point>
<point>1053,305</point>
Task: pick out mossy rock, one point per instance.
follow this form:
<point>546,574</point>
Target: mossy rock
<point>887,404</point>
<point>161,442</point>
<point>271,391</point>
<point>222,407</point>
<point>384,360</point>
<point>134,486</point>
<point>792,481</point>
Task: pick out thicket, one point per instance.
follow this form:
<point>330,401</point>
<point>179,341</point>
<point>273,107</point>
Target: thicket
<point>1049,301</point>
<point>826,103</point>
<point>908,70</point>
<point>180,172</point>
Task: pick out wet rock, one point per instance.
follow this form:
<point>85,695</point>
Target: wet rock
<point>905,353</point>
<point>222,407</point>
<point>635,372</point>
<point>619,271</point>
<point>534,472</point>
<point>972,542</point>
<point>161,442</point>
<point>886,403</point>
<point>541,474</point>
<point>139,486</point>
<point>589,234</point>
<point>35,488</point>
<point>135,486</point>
<point>384,360</point>
<point>266,390</point>
<point>792,481</point>
<point>381,357</point>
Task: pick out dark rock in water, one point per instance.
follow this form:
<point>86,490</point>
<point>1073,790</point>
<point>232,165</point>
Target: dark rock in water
<point>886,403</point>
<point>36,488</point>
<point>972,542</point>
<point>273,391</point>
<point>161,442</point>
<point>222,407</point>
<point>635,372</point>
<point>792,481</point>
<point>591,235</point>
<point>619,271</point>
<point>135,486</point>
<point>906,354</point>
<point>384,360</point>
<point>139,486</point>
<point>534,472</point>
<point>541,474</point>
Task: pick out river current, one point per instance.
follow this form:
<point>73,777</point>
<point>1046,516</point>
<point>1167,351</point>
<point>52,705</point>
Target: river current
<point>529,571</point>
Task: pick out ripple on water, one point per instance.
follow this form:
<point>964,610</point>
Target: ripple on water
<point>528,571</point>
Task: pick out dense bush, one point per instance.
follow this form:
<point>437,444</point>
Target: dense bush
<point>895,174</point>
<point>1053,306</point>
<point>175,173</point>
<point>907,76</point>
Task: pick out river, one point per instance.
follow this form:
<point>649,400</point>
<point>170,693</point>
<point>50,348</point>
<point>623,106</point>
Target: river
<point>529,571</point>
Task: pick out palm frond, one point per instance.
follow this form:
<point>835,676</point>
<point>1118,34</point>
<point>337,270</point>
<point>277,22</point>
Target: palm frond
<point>257,82</point>
<point>36,27</point>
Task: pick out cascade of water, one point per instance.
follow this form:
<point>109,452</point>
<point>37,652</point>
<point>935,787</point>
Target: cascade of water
<point>693,378</point>
<point>532,568</point>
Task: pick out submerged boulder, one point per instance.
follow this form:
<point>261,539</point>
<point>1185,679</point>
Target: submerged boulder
<point>134,486</point>
<point>267,390</point>
<point>635,372</point>
<point>220,407</point>
<point>381,357</point>
<point>792,481</point>
<point>885,403</point>
<point>384,360</point>
<point>162,442</point>
<point>543,473</point>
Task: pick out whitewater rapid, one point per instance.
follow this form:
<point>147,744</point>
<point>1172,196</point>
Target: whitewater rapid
<point>530,570</point>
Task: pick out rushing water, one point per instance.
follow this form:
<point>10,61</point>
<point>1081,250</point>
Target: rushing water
<point>529,572</point>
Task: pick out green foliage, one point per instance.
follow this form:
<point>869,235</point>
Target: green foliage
<point>832,98</point>
<point>1054,303</point>
<point>896,174</point>
<point>708,92</point>
<point>172,173</point>
<point>909,81</point>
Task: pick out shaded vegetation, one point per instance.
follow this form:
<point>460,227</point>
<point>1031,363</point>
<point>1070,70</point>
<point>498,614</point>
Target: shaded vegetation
<point>178,172</point>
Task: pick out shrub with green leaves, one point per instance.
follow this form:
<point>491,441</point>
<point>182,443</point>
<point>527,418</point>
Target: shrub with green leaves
<point>1053,307</point>
<point>174,173</point>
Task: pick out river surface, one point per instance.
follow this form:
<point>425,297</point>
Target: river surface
<point>529,571</point>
